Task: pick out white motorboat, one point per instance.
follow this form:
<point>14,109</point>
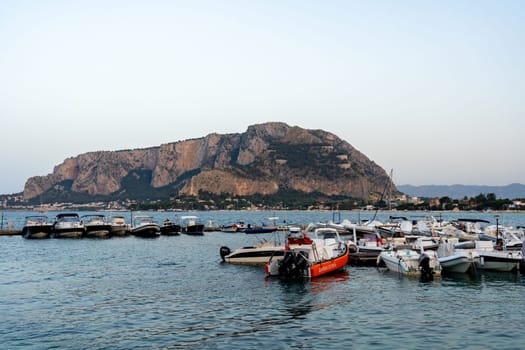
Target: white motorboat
<point>68,225</point>
<point>511,238</point>
<point>37,227</point>
<point>118,226</point>
<point>411,263</point>
<point>252,255</point>
<point>96,225</point>
<point>236,227</point>
<point>461,261</point>
<point>456,260</point>
<point>365,249</point>
<point>497,260</point>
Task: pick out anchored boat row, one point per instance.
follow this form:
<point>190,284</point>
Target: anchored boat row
<point>71,225</point>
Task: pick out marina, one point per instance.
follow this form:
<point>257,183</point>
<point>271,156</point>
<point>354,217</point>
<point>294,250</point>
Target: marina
<point>176,292</point>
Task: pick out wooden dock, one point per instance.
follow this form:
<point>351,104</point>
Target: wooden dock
<point>10,233</point>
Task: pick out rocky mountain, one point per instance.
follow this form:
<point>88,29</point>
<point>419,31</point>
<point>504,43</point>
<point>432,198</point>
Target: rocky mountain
<point>511,191</point>
<point>264,159</point>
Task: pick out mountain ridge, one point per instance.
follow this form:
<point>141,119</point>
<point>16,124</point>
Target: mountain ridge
<point>264,159</point>
<point>457,191</point>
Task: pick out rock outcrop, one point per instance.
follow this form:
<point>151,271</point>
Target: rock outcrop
<point>264,159</point>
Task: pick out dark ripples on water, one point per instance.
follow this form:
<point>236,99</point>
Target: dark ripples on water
<point>173,292</point>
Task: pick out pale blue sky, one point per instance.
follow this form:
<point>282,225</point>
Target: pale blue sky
<point>433,89</point>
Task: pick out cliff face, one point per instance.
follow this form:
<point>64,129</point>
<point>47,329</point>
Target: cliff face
<point>263,159</point>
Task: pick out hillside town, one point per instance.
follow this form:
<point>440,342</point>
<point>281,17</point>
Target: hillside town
<point>401,202</point>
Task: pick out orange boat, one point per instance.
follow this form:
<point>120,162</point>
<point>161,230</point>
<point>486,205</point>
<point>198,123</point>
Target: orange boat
<point>308,257</point>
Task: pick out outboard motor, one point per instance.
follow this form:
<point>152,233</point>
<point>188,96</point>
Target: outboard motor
<point>224,251</point>
<point>286,265</point>
<point>427,273</point>
<point>300,263</point>
<point>292,265</point>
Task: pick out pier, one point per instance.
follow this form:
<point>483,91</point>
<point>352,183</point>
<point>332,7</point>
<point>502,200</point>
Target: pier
<point>10,233</point>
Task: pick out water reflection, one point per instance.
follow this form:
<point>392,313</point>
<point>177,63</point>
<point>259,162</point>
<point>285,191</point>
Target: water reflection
<point>480,280</point>
<point>300,297</point>
<point>327,282</point>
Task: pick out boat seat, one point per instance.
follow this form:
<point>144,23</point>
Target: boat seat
<point>327,252</point>
<point>330,241</point>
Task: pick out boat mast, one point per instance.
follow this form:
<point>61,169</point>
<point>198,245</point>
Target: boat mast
<point>390,190</point>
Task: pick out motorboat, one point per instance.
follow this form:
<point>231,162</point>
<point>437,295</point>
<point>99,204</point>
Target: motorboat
<point>37,227</point>
<point>512,238</point>
<point>460,261</point>
<point>454,259</point>
<point>190,225</point>
<point>307,257</point>
<point>170,228</point>
<point>266,227</point>
<point>67,225</point>
<point>236,227</point>
<point>343,228</point>
<point>471,229</point>
<point>260,229</point>
<point>144,226</point>
<point>258,254</point>
<point>118,226</point>
<point>497,260</point>
<point>398,226</point>
<point>424,242</point>
<point>96,226</point>
<point>365,249</point>
<point>410,262</point>
<point>366,227</point>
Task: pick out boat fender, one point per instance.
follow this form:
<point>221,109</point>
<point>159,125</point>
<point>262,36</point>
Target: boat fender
<point>224,251</point>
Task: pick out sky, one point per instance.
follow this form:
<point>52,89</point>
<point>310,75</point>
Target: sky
<point>431,89</point>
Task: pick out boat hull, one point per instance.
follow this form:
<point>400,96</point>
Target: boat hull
<point>119,230</point>
<point>364,255</point>
<point>499,261</point>
<point>312,269</point>
<point>196,230</point>
<point>170,230</point>
<point>98,231</point>
<point>146,231</point>
<point>457,263</point>
<point>257,230</point>
<point>407,262</point>
<point>37,231</point>
<point>71,232</point>
<point>325,267</point>
<point>253,255</point>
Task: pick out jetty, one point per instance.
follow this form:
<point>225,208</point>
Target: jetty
<point>10,232</point>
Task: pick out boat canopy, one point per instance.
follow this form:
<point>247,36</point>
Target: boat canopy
<point>474,220</point>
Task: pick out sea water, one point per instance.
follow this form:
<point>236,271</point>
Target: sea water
<point>175,293</point>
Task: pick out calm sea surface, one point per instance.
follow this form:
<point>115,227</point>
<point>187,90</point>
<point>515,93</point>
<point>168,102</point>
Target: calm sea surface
<point>174,293</point>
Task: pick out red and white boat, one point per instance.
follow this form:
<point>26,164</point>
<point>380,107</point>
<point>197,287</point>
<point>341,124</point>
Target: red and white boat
<point>305,257</point>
